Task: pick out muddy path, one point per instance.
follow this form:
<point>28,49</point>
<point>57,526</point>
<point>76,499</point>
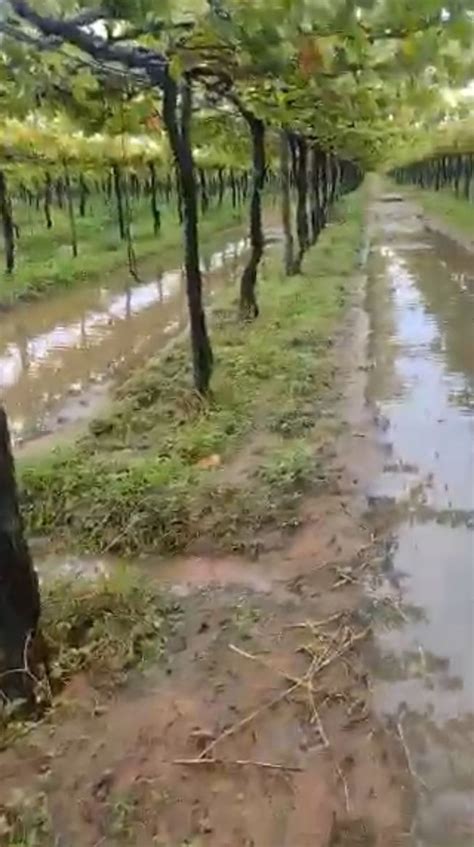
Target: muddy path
<point>258,727</point>
<point>320,694</point>
<point>421,384</point>
<point>60,355</point>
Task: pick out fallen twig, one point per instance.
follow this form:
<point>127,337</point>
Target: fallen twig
<point>323,565</point>
<point>240,762</point>
<point>406,750</point>
<point>305,682</point>
<point>316,624</point>
<point>296,679</point>
<point>339,653</point>
<point>231,730</point>
<point>391,601</point>
<point>344,579</point>
<point>25,670</point>
<point>318,720</point>
<point>346,788</point>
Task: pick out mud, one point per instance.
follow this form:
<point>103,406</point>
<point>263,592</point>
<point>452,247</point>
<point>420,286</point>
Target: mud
<point>314,768</point>
<point>369,739</point>
<point>450,232</point>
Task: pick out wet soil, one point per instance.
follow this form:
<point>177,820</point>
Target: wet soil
<point>258,729</point>
<point>449,231</point>
<point>320,694</point>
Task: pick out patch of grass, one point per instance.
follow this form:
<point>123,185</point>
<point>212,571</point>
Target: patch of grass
<point>121,817</point>
<point>25,821</point>
<point>135,482</point>
<point>292,421</point>
<point>444,205</point>
<point>44,259</point>
<point>105,627</point>
<point>102,628</point>
<point>288,467</point>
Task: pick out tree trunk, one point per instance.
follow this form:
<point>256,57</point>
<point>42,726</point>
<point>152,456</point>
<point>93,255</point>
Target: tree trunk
<point>324,194</point>
<point>233,189</point>
<point>70,210</point>
<point>7,225</point>
<point>117,179</point>
<point>286,204</point>
<point>248,299</point>
<point>457,174</point>
<point>19,593</point>
<point>48,196</point>
<point>178,133</point>
<point>301,162</point>
<point>314,197</point>
<point>334,170</point>
<point>221,184</point>
<point>134,186</point>
<point>83,194</point>
<point>60,193</point>
<point>468,167</point>
<point>155,212</point>
<point>204,194</point>
<point>179,198</point>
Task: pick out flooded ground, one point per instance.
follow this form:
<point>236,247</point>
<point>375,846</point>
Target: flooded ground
<point>59,355</point>
<point>421,307</point>
<point>311,764</point>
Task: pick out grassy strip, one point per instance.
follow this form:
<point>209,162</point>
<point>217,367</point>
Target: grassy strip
<point>455,211</point>
<point>102,628</point>
<point>44,260</point>
<point>25,821</point>
<point>157,472</point>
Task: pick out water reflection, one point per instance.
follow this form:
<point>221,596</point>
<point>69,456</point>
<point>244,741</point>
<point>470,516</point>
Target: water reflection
<point>57,356</point>
<point>421,303</point>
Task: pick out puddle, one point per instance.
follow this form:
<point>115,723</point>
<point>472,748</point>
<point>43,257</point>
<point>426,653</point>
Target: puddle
<point>421,305</point>
<point>59,355</point>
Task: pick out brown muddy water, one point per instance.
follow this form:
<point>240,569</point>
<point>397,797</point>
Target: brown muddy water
<point>421,307</point>
<point>59,355</point>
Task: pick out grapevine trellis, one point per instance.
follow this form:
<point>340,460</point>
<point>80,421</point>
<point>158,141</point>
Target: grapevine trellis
<point>448,165</point>
<point>324,76</point>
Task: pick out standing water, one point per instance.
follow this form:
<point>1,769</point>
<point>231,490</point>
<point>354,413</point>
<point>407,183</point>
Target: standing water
<point>421,307</point>
<point>58,355</point>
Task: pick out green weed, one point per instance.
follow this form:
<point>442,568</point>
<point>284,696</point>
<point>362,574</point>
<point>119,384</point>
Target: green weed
<point>25,821</point>
<point>121,817</point>
<point>104,627</point>
<point>289,467</point>
<point>292,421</point>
